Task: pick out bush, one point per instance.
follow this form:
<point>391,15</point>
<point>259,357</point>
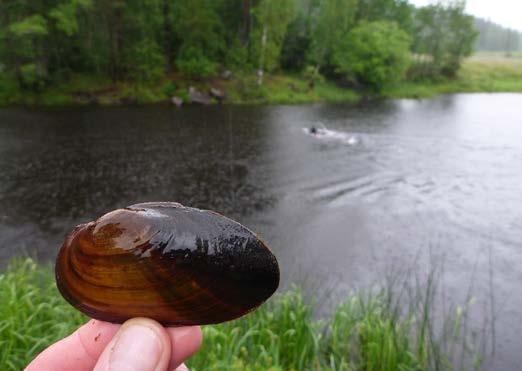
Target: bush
<point>373,54</point>
<point>147,62</point>
<point>170,89</point>
<point>249,90</point>
<point>32,77</point>
<point>236,57</point>
<point>313,76</point>
<point>194,63</point>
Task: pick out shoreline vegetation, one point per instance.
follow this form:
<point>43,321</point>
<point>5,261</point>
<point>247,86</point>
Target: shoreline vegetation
<point>482,73</point>
<point>91,52</point>
<point>394,328</point>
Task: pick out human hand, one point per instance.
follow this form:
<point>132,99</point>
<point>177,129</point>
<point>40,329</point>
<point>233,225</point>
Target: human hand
<point>140,344</point>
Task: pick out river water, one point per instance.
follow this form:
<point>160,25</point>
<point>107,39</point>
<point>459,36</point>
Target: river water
<point>394,184</point>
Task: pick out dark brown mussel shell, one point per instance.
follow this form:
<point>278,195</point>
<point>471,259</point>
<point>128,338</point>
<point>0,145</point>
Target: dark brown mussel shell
<point>175,264</point>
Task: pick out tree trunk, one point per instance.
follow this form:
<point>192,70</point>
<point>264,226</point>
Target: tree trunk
<point>245,34</point>
<point>261,71</point>
<point>116,40</point>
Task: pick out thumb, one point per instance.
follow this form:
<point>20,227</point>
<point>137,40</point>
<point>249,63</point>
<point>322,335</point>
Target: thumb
<point>141,344</point>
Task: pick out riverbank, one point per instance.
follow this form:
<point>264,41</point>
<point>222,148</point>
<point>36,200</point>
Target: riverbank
<point>493,73</point>
<point>376,330</point>
<point>483,73</point>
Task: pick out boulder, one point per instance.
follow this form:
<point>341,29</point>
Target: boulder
<point>227,74</point>
<point>217,93</point>
<point>197,96</point>
<point>178,101</point>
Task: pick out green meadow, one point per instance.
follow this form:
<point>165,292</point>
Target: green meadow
<point>483,73</point>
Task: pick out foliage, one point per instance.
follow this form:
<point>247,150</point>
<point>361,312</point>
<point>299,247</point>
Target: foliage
<point>296,43</point>
<point>334,21</point>
<point>34,25</point>
<point>32,75</point>
<point>65,15</point>
<point>194,63</point>
<point>273,18</point>
<point>27,34</point>
<point>484,73</point>
<point>374,330</point>
<point>398,11</point>
<point>445,34</point>
<point>44,44</point>
<point>148,61</point>
<point>374,54</point>
<point>313,75</point>
<point>236,57</point>
<point>201,31</point>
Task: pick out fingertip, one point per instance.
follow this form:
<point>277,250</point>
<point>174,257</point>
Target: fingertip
<point>95,335</point>
<point>185,342</point>
<point>140,344</point>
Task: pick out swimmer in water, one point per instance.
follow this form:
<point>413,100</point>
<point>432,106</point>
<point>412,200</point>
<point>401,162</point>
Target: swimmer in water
<point>313,130</point>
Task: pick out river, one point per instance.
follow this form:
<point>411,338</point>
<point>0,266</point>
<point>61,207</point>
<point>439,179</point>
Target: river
<point>393,185</point>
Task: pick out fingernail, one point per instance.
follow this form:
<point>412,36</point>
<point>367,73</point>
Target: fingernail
<point>136,348</point>
<point>186,331</point>
<point>182,367</point>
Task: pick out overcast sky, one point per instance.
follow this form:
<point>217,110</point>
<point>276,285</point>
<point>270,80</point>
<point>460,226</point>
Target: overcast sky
<point>505,12</point>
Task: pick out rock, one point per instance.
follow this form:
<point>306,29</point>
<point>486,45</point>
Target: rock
<point>197,96</point>
<point>217,93</point>
<point>178,101</point>
<point>293,87</point>
<point>128,100</point>
<point>227,74</point>
<point>260,74</point>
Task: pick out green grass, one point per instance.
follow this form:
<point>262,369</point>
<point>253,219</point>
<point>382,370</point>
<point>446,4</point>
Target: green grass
<point>32,314</point>
<point>285,89</point>
<point>372,331</point>
<point>484,73</point>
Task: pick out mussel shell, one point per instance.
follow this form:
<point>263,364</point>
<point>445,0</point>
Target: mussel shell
<point>178,265</point>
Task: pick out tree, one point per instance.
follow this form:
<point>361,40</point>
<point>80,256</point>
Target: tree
<point>236,17</point>
<point>461,36</point>
<point>202,34</point>
<point>296,44</point>
<point>493,37</point>
<point>374,54</point>
<point>335,19</point>
<point>444,35</point>
<point>143,57</point>
<point>399,11</point>
<point>48,41</point>
<point>148,61</point>
<point>30,61</point>
<point>273,18</point>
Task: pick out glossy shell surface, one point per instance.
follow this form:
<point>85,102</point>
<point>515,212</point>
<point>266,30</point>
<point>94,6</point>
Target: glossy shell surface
<point>175,264</point>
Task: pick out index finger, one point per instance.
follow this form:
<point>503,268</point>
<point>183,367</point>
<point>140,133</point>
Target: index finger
<point>79,351</point>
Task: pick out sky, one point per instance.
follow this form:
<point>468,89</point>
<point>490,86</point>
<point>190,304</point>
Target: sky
<point>507,13</point>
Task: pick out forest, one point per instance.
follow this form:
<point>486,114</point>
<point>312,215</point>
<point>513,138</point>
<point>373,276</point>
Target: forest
<point>495,38</point>
<point>361,44</point>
